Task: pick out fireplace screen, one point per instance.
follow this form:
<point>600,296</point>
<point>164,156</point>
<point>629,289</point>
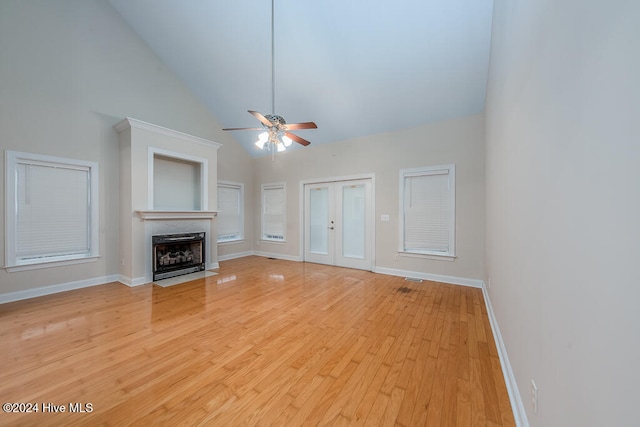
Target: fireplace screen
<point>177,254</point>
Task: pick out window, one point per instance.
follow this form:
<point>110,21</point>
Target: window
<point>427,210</point>
<point>51,210</point>
<point>273,212</point>
<point>230,211</point>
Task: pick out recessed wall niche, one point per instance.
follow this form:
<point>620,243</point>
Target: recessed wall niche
<point>176,183</point>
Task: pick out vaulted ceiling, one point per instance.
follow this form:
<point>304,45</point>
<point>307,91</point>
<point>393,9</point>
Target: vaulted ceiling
<point>355,67</point>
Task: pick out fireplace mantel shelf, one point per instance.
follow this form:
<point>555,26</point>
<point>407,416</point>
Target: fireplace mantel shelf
<point>175,215</point>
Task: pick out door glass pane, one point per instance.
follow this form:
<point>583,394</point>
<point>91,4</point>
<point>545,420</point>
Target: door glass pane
<point>318,220</point>
<point>353,220</point>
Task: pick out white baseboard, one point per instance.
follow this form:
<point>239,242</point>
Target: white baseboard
<point>278,256</point>
<point>509,378</point>
<point>132,282</point>
<point>474,283</point>
<point>234,256</point>
<point>54,289</point>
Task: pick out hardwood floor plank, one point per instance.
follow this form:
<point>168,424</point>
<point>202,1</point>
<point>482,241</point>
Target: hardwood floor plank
<point>396,359</point>
<point>265,342</point>
<point>367,382</point>
<point>393,407</point>
<point>375,415</point>
<point>371,397</point>
<point>325,402</point>
<point>463,404</point>
<point>410,402</point>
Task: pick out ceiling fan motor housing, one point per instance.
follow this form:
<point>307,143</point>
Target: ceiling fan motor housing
<point>275,119</point>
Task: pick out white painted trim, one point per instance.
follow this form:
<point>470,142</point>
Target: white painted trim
<point>128,122</point>
<point>474,283</point>
<point>125,280</point>
<point>273,186</point>
<point>131,282</point>
<point>50,264</point>
<point>278,256</point>
<point>359,177</point>
<point>174,215</point>
<point>433,257</point>
<point>12,159</point>
<point>240,187</point>
<point>235,255</point>
<point>509,378</point>
<point>337,178</point>
<point>54,289</point>
<point>261,254</point>
<point>430,170</point>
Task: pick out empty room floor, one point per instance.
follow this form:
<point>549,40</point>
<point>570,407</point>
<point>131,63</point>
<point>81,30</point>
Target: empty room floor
<point>263,342</point>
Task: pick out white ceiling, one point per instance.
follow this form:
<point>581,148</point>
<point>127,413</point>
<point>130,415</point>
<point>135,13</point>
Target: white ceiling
<point>355,67</point>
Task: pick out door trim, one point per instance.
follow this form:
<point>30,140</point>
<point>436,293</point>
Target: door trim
<point>301,223</point>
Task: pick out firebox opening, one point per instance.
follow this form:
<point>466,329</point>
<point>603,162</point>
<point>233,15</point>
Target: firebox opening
<point>177,254</point>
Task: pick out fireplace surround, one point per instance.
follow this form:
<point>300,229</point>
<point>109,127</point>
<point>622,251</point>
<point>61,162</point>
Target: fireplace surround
<point>184,168</point>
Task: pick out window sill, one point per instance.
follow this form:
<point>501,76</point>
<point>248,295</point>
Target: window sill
<point>49,264</point>
<point>435,257</point>
<point>228,242</point>
<point>273,241</point>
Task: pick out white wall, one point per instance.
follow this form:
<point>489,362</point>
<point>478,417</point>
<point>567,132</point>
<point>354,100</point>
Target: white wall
<point>69,71</point>
<point>458,141</point>
<point>563,205</point>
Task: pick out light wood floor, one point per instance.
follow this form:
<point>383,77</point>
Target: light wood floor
<point>265,342</point>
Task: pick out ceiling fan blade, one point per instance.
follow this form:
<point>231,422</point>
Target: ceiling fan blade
<point>305,125</point>
<point>262,118</point>
<point>243,129</point>
<point>297,139</point>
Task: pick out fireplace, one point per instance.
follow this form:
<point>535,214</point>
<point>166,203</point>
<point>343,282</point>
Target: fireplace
<point>177,254</point>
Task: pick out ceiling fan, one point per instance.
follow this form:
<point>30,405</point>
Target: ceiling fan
<point>276,135</point>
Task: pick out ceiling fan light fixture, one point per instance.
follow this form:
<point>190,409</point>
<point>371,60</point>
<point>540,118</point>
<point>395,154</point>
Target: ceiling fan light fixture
<point>263,137</point>
<point>277,135</point>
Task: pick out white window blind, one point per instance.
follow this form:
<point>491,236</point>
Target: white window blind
<point>51,209</point>
<point>230,212</point>
<point>428,210</point>
<point>273,212</point>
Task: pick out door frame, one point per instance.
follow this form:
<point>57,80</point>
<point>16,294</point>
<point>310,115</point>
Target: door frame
<point>369,176</point>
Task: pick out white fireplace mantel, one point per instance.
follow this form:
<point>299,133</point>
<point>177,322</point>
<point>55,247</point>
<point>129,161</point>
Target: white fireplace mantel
<point>158,215</point>
<point>144,146</point>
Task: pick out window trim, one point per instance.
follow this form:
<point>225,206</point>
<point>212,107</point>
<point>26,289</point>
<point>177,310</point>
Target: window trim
<point>450,170</point>
<point>12,263</point>
<point>272,186</point>
<point>240,187</point>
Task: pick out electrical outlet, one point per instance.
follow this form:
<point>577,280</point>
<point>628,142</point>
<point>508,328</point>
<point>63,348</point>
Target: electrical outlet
<point>489,283</point>
<point>534,396</point>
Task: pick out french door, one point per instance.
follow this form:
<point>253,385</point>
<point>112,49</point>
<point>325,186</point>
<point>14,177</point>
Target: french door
<point>338,223</point>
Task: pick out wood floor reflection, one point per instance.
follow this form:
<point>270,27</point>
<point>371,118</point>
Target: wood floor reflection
<point>265,342</point>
